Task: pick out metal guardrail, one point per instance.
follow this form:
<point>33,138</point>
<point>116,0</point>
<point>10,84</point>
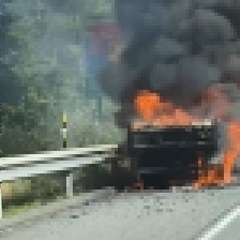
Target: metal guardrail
<point>15,167</point>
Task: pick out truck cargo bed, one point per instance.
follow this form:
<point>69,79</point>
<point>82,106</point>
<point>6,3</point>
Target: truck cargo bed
<point>171,153</point>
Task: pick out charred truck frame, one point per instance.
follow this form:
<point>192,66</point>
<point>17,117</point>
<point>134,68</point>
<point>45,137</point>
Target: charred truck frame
<point>163,53</point>
<point>165,156</point>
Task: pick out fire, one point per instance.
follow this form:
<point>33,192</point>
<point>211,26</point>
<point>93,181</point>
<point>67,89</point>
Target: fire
<point>152,109</point>
<point>233,149</point>
<point>221,174</point>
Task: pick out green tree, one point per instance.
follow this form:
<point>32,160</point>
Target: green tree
<point>10,88</point>
<point>43,58</point>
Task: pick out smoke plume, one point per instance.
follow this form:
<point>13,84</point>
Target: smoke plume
<point>175,48</point>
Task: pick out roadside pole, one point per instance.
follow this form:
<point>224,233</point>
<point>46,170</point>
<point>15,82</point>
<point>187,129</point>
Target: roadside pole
<point>1,212</point>
<point>69,174</point>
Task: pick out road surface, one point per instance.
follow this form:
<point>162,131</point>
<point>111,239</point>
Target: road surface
<point>141,216</point>
<point>230,232</point>
<point>225,227</point>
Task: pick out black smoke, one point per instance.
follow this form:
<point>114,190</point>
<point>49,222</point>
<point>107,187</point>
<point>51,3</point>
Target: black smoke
<point>175,48</point>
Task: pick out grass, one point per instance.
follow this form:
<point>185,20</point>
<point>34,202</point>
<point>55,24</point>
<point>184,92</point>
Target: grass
<point>12,211</point>
<point>21,196</point>
<point>11,190</point>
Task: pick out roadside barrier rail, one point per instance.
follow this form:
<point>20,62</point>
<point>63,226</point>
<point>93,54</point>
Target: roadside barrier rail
<point>15,167</point>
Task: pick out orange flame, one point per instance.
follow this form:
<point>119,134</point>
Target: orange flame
<point>153,110</point>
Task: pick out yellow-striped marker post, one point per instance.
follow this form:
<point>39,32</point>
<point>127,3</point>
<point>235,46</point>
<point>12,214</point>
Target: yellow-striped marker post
<point>1,212</point>
<point>69,174</point>
<point>64,130</point>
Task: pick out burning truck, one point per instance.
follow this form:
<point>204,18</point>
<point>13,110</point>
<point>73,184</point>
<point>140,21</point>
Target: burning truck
<point>170,81</point>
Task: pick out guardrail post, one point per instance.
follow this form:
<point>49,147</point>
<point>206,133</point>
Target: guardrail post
<point>69,184</point>
<point>1,212</point>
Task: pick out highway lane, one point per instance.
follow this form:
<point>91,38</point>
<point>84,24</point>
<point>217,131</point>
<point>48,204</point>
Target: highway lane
<point>226,227</point>
<point>142,216</point>
<point>230,232</point>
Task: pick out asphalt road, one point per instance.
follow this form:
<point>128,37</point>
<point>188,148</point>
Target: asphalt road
<point>230,232</point>
<point>141,216</point>
<point>226,227</point>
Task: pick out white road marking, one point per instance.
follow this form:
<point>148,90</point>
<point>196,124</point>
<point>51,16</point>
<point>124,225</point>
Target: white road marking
<point>221,224</point>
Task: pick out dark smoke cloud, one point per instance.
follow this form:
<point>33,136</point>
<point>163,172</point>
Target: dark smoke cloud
<point>188,77</point>
<point>209,27</point>
<point>135,16</point>
<point>174,48</point>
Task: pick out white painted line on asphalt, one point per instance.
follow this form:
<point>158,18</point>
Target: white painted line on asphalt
<point>221,224</point>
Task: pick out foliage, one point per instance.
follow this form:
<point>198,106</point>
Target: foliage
<point>40,76</point>
<point>9,86</point>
